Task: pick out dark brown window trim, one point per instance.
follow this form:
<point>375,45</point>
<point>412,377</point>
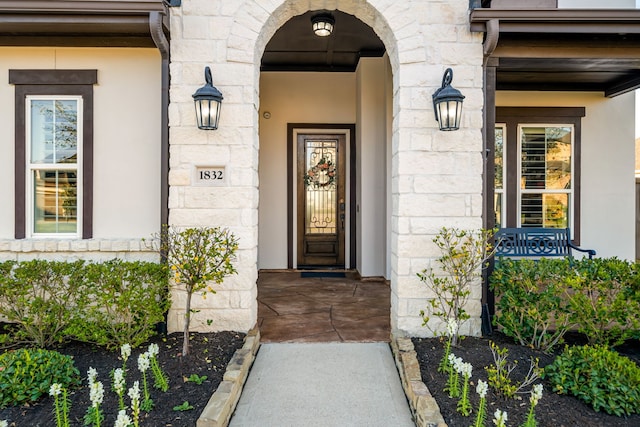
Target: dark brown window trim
<point>512,117</point>
<point>47,82</point>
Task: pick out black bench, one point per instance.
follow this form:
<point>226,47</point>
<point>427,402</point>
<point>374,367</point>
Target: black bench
<point>536,242</point>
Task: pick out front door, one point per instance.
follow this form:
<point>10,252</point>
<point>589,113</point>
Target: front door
<point>321,203</point>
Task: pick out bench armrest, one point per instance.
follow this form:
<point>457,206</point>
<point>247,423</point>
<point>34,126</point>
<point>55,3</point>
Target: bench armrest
<point>591,252</point>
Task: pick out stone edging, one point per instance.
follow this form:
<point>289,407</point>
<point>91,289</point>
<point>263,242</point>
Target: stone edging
<point>223,402</point>
<point>425,409</point>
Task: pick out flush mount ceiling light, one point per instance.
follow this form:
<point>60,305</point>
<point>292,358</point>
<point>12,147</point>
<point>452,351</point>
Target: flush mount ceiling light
<point>322,24</point>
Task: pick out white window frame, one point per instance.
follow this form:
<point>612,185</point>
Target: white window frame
<point>520,191</point>
<point>31,167</point>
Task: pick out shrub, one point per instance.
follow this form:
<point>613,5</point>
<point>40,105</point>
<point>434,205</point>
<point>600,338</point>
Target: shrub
<point>531,303</point>
<point>40,296</point>
<point>198,257</point>
<point>464,255</point>
<point>124,303</point>
<point>599,377</point>
<point>605,299</point>
<point>28,374</point>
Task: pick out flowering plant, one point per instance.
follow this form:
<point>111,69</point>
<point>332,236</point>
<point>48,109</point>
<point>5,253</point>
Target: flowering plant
<point>322,175</point>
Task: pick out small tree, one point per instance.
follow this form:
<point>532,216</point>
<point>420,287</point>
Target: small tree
<point>198,257</point>
<point>464,254</point>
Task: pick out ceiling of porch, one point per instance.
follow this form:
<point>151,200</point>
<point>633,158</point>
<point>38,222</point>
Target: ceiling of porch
<point>562,49</point>
<point>294,47</point>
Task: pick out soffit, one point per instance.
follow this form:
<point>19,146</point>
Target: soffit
<point>562,49</point>
<point>78,22</point>
<point>294,47</point>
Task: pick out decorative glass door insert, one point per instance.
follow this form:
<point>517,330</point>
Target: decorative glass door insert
<point>321,200</point>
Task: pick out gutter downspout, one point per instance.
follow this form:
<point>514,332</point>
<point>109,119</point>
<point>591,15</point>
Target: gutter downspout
<point>159,38</point>
<point>488,135</point>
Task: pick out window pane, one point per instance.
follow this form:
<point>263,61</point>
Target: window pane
<point>545,210</point>
<point>55,201</point>
<point>499,158</point>
<point>54,131</point>
<point>497,208</point>
<point>320,179</point>
<point>546,158</point>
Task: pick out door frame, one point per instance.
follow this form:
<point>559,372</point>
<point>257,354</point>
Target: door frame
<point>350,236</point>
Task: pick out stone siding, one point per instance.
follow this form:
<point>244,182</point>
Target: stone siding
<point>436,176</point>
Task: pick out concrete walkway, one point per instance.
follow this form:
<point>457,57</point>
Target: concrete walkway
<point>324,385</point>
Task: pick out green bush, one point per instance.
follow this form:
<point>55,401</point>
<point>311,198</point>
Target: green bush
<point>28,374</point>
<point>605,299</point>
<point>599,377</point>
<point>531,303</point>
<point>40,297</point>
<point>108,303</point>
<point>124,303</point>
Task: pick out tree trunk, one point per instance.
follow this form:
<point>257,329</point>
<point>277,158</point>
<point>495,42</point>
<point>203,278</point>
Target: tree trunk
<point>187,320</point>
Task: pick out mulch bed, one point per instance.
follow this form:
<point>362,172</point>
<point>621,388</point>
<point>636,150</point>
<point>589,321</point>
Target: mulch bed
<point>209,355</point>
<point>553,410</point>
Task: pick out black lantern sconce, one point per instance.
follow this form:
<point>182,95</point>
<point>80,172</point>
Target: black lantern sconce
<point>208,101</point>
<point>447,103</point>
<point>322,24</point>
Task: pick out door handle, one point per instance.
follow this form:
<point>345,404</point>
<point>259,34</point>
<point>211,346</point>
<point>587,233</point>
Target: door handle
<point>342,221</point>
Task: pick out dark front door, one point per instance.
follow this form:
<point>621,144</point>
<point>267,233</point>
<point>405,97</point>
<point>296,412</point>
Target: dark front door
<point>321,203</point>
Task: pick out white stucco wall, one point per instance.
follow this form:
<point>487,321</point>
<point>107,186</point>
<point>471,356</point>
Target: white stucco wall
<point>597,4</point>
<point>292,98</point>
<point>126,205</point>
<point>608,164</point>
<point>351,98</point>
<point>371,161</point>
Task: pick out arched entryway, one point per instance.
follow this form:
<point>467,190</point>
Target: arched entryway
<point>324,171</point>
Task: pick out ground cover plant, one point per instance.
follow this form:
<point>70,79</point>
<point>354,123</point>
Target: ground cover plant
<point>210,354</point>
<point>552,409</point>
<point>538,304</point>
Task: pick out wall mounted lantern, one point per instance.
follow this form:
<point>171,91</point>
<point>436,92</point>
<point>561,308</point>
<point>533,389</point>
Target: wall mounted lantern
<point>208,101</point>
<point>447,104</point>
<point>322,24</point>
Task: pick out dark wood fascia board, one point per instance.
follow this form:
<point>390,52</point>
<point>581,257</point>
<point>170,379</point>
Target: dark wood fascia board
<point>579,21</point>
<point>622,87</point>
<point>53,77</point>
<point>65,23</point>
<point>86,6</point>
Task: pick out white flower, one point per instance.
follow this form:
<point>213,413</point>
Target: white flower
<point>123,419</point>
<point>143,362</point>
<point>54,390</point>
<point>452,327</point>
<point>457,364</point>
<point>499,418</point>
<point>91,375</point>
<point>536,394</point>
<point>125,351</point>
<point>4,423</point>
<point>465,369</point>
<point>134,392</point>
<point>452,359</point>
<point>118,380</point>
<point>482,388</point>
<point>96,393</point>
<point>153,350</point>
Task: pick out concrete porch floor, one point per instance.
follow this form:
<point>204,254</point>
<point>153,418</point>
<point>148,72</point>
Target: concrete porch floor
<point>322,309</point>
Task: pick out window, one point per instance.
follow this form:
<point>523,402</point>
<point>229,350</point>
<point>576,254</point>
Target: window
<point>54,153</point>
<point>537,168</point>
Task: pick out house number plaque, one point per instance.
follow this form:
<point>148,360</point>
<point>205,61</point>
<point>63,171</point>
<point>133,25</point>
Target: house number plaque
<point>210,175</point>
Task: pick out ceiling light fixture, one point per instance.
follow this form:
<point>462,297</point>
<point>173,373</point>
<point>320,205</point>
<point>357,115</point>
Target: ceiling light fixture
<point>322,24</point>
